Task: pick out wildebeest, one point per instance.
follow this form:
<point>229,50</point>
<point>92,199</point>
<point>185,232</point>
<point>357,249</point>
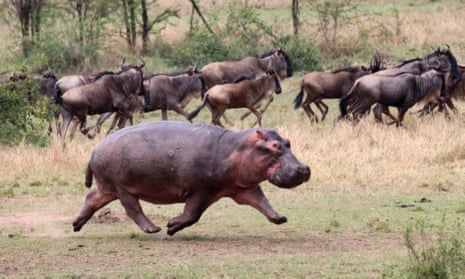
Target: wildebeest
<point>243,94</point>
<point>455,90</point>
<point>173,92</point>
<point>331,84</point>
<point>230,71</point>
<point>166,162</point>
<point>401,91</point>
<point>441,60</point>
<point>111,92</point>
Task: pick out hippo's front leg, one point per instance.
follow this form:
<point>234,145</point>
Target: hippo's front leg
<point>254,197</point>
<point>193,209</point>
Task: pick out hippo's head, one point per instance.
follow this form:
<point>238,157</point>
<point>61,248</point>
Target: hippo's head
<point>284,170</point>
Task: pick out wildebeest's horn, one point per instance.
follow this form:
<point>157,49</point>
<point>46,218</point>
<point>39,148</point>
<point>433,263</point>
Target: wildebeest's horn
<point>124,61</point>
<point>143,63</point>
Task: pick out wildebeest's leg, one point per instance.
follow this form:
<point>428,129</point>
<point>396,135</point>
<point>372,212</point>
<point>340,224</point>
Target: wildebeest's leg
<point>102,118</point>
<point>67,117</point>
<point>257,114</point>
<point>322,107</point>
<point>306,106</point>
<point>254,197</point>
<point>179,110</point>
<point>216,115</point>
<point>193,210</point>
<point>164,114</point>
<point>95,200</point>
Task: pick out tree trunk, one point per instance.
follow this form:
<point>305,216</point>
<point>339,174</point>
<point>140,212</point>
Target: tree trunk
<point>145,27</point>
<point>196,8</point>
<point>295,16</point>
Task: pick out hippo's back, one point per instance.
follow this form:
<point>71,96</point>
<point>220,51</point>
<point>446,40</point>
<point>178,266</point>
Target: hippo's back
<point>164,151</point>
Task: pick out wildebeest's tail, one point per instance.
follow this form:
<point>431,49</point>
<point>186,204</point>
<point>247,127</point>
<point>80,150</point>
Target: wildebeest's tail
<point>89,175</point>
<point>193,114</point>
<point>298,99</point>
<point>348,100</point>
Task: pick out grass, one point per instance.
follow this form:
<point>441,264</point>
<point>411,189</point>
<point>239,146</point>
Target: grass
<point>369,184</point>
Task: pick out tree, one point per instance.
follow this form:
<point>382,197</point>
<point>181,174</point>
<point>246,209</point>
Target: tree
<point>146,24</point>
<point>28,13</point>
<point>295,16</point>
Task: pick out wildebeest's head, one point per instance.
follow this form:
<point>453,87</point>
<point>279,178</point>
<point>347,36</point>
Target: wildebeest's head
<point>140,80</point>
<point>280,62</point>
<point>443,60</point>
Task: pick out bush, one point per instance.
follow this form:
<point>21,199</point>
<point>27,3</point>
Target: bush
<point>438,253</point>
<point>24,114</point>
<point>305,56</point>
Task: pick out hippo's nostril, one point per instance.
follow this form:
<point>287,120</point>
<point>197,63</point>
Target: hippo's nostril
<point>304,170</point>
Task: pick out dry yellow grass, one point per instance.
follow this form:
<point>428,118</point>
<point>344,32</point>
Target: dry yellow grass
<point>427,155</point>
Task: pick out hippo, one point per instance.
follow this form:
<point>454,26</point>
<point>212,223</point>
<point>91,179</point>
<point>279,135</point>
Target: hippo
<point>165,162</point>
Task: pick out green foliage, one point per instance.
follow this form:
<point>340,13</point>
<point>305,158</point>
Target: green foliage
<point>23,113</point>
<point>201,48</point>
<point>305,56</point>
<point>438,254</point>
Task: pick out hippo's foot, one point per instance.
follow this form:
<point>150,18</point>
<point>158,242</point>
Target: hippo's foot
<point>77,226</point>
<point>279,220</point>
<point>151,229</point>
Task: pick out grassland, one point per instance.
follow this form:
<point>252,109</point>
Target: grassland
<point>369,183</point>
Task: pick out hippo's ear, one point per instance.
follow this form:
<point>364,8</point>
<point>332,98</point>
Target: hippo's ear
<point>260,134</point>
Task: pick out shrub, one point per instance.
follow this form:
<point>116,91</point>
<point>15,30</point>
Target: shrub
<point>24,115</point>
<point>305,56</point>
<point>441,253</point>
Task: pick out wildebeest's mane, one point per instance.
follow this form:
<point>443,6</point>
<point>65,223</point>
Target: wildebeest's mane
<point>408,62</point>
<point>174,74</point>
<point>102,74</point>
<point>350,69</point>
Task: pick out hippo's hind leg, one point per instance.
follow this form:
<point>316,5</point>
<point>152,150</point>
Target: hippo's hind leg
<point>254,197</point>
<point>133,209</point>
<point>95,200</point>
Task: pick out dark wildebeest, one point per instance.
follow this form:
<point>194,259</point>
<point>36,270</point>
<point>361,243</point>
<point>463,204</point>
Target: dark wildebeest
<point>230,71</point>
<point>159,162</point>
<point>173,92</point>
<point>455,90</point>
<point>401,91</point>
<point>330,85</point>
<point>244,94</point>
<point>111,92</point>
<point>441,60</point>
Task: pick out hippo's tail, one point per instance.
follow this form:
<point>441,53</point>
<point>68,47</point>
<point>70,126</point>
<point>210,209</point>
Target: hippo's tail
<point>298,99</point>
<point>89,175</point>
<point>193,114</point>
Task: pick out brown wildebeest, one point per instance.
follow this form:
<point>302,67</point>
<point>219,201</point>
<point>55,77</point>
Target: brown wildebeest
<point>230,71</point>
<point>244,94</point>
<point>168,91</point>
<point>109,93</point>
<point>330,85</point>
<point>401,91</point>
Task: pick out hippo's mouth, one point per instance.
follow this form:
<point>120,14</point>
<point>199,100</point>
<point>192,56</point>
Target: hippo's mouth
<point>289,178</point>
